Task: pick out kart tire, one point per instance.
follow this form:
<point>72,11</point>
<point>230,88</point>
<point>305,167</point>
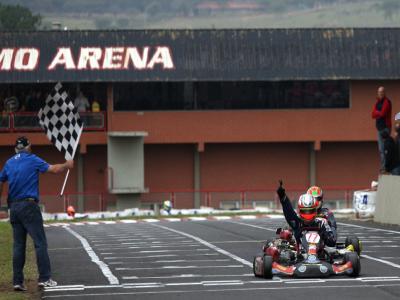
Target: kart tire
<point>355,261</point>
<point>355,242</point>
<point>254,267</point>
<point>267,266</point>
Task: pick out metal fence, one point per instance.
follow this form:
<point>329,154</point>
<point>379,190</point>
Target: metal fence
<point>336,198</point>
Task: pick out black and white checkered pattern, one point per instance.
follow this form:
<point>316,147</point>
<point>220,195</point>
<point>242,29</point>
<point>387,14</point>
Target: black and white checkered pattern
<point>61,121</point>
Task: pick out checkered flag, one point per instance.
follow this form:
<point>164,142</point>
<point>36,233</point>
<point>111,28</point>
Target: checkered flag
<point>61,122</point>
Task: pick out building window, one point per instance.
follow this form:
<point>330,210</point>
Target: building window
<point>230,95</point>
<point>31,97</point>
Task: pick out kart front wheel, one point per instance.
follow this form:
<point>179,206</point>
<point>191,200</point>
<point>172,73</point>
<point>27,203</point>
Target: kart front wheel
<point>255,267</point>
<point>267,266</point>
<point>355,261</point>
<point>355,242</point>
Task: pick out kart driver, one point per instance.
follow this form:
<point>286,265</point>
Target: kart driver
<point>323,212</point>
<point>306,217</point>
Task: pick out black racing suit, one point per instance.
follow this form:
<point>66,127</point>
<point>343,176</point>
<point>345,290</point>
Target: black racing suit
<point>326,213</point>
<point>325,230</point>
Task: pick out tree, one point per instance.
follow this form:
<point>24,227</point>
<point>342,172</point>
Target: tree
<point>16,17</point>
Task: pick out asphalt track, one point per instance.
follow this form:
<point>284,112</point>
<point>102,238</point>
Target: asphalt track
<point>204,259</point>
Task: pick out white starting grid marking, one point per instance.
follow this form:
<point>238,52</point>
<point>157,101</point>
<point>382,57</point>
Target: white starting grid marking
<point>181,267</point>
<point>150,285</point>
<point>206,283</point>
<point>103,266</point>
<point>207,244</point>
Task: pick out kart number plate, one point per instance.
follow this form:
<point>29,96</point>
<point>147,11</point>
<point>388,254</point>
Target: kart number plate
<point>312,237</point>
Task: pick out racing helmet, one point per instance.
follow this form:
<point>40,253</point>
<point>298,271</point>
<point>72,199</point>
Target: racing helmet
<point>317,193</point>
<point>307,207</point>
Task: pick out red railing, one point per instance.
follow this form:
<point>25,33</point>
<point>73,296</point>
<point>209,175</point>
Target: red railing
<point>334,197</point>
<point>28,121</point>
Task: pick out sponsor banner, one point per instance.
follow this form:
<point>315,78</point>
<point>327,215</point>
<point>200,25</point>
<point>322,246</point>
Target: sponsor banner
<point>196,55</point>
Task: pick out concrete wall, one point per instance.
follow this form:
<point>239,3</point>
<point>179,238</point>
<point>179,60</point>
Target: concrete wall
<point>254,165</point>
<point>388,201</point>
<point>351,164</point>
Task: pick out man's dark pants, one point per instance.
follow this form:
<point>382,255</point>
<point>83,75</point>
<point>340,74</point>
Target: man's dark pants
<point>26,218</point>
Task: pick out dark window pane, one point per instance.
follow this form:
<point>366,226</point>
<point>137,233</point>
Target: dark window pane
<point>164,96</point>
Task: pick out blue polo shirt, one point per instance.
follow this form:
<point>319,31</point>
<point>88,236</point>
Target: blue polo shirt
<point>22,173</point>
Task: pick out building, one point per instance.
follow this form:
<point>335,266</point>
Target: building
<point>206,111</point>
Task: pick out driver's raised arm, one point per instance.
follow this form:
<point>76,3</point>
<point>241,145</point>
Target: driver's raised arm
<point>290,215</point>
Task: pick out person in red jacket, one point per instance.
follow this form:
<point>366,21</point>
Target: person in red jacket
<point>382,113</point>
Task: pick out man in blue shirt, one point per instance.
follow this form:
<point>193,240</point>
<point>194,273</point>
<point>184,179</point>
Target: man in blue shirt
<point>22,174</point>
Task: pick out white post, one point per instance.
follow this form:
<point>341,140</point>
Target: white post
<point>73,155</point>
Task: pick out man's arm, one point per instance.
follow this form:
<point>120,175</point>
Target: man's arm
<point>59,168</point>
<point>327,232</point>
<point>384,111</point>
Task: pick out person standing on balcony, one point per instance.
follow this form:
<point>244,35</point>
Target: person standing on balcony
<point>95,106</point>
<point>382,113</point>
<point>21,172</point>
<point>81,102</point>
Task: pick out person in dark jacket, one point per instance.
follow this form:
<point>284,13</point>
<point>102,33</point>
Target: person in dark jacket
<point>390,152</point>
<point>382,113</point>
<point>396,170</point>
<point>307,217</point>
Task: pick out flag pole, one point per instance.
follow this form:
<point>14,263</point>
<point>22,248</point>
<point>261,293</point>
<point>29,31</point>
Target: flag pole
<point>73,155</point>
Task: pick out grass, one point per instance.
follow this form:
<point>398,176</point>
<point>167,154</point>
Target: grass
<point>6,292</point>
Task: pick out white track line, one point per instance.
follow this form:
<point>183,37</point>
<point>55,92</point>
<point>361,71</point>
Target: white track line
<point>275,216</point>
<point>103,266</point>
<point>197,218</point>
<point>364,227</point>
<point>313,287</point>
<point>250,217</point>
<point>207,244</point>
<point>128,221</point>
<point>222,218</point>
<point>251,225</point>
<point>151,220</point>
<point>181,267</point>
<point>382,261</point>
<point>189,276</point>
<point>108,222</point>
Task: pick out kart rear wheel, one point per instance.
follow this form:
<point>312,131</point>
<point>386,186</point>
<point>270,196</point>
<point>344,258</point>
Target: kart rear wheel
<point>267,266</point>
<point>355,261</point>
<point>355,242</point>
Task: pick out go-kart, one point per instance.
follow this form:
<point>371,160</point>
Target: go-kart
<point>309,258</point>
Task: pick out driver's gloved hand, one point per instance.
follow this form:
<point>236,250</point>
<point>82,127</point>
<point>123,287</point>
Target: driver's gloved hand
<point>323,224</point>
